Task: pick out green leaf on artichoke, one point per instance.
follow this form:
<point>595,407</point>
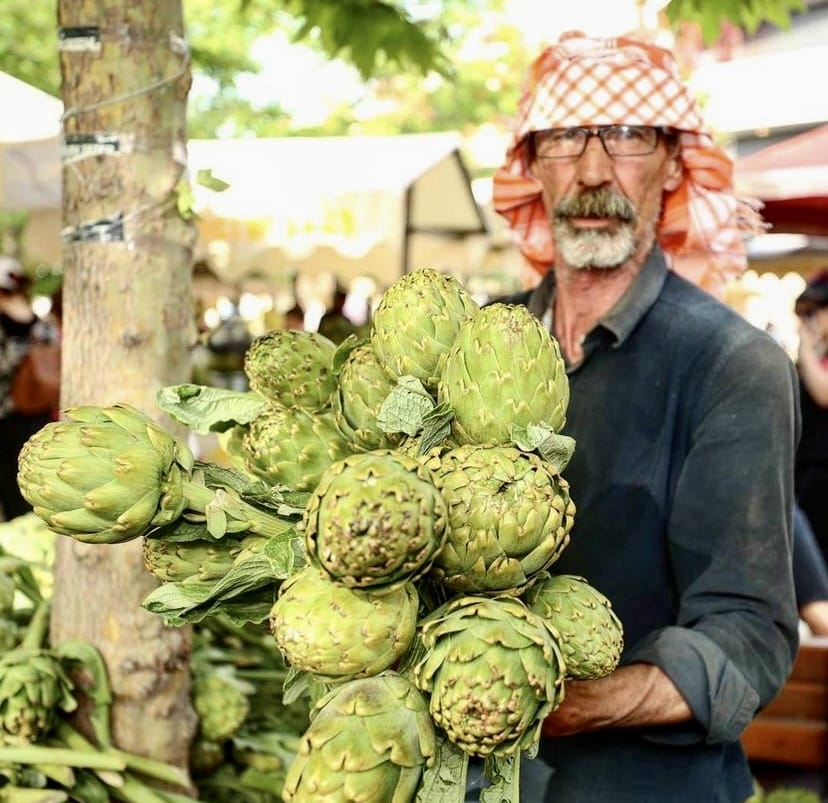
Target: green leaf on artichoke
<point>541,438</point>
<point>445,780</point>
<point>205,409</point>
<point>280,500</point>
<point>405,407</point>
<point>436,427</point>
<point>504,773</point>
<point>180,603</point>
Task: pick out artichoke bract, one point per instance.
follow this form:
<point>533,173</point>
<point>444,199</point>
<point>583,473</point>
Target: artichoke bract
<point>590,633</point>
<point>106,475</point>
<point>336,633</point>
<point>509,515</point>
<point>362,388</point>
<point>292,447</point>
<point>492,670</point>
<point>416,323</point>
<point>375,521</point>
<point>369,740</point>
<point>292,368</point>
<point>503,370</point>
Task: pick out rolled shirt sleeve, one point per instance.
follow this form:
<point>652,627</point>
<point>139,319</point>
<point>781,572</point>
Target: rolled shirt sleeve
<point>730,542</point>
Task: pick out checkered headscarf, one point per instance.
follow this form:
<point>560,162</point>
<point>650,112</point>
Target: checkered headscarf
<point>589,82</point>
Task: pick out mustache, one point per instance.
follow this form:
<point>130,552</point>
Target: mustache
<point>600,202</point>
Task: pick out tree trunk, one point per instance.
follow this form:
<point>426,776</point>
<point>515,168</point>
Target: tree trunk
<point>127,323</point>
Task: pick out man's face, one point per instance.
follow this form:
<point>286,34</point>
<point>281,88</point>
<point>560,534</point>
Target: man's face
<point>604,209</point>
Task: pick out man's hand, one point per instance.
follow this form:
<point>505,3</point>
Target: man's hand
<point>632,696</point>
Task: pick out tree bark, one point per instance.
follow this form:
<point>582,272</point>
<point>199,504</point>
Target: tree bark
<point>127,325</point>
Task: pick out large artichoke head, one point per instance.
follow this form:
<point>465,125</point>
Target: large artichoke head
<point>292,368</point>
<point>107,475</point>
<point>34,690</point>
<point>590,634</point>
<point>492,671</point>
<point>417,321</point>
<point>509,515</point>
<point>362,388</point>
<point>292,447</point>
<point>503,370</point>
<point>375,521</point>
<point>337,633</point>
<point>369,740</point>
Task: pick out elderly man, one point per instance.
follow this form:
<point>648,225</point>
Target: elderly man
<point>685,418</point>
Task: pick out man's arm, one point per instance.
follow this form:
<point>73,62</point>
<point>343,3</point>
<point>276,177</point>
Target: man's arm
<point>638,695</point>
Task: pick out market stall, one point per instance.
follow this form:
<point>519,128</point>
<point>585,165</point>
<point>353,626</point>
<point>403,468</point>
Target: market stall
<point>351,206</point>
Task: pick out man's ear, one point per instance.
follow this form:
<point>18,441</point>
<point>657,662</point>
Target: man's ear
<point>674,171</point>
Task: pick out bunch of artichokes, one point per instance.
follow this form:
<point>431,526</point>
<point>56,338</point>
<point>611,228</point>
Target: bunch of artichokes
<point>431,548</point>
<point>423,614</point>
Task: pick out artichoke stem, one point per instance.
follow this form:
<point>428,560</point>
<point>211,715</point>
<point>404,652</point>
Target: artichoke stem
<point>235,508</point>
<point>150,767</point>
<point>38,627</point>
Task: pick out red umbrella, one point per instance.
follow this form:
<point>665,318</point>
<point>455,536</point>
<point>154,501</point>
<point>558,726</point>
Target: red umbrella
<point>791,179</point>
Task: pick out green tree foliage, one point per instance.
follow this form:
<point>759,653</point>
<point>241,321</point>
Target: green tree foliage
<point>746,14</point>
<point>412,52</point>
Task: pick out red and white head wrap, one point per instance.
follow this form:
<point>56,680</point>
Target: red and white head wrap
<point>625,81</point>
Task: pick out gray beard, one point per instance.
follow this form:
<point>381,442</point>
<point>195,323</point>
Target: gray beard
<point>591,248</point>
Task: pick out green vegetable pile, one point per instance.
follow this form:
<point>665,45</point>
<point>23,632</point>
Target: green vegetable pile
<point>390,523</point>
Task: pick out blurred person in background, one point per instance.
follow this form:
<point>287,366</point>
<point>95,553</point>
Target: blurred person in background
<point>19,329</point>
<point>685,419</point>
<point>812,362</point>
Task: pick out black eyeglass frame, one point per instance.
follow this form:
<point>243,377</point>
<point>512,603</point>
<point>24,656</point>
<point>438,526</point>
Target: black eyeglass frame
<point>596,131</point>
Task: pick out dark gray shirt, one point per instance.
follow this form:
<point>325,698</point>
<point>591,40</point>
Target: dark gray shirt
<point>685,418</point>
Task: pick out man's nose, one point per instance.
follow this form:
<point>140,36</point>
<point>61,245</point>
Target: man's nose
<point>594,167</point>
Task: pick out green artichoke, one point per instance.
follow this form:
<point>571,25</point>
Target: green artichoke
<point>206,756</point>
<point>375,521</point>
<point>221,703</point>
<point>337,633</point>
<point>362,388</point>
<point>369,741</point>
<point>416,323</point>
<point>492,670</point>
<point>174,562</point>
<point>34,689</point>
<point>292,447</point>
<point>107,475</point>
<point>292,368</point>
<point>504,370</point>
<point>590,634</point>
<point>509,517</point>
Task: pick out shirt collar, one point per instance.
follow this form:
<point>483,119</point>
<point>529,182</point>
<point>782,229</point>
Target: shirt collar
<point>628,310</point>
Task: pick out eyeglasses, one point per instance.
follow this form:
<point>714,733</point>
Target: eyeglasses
<point>618,140</point>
